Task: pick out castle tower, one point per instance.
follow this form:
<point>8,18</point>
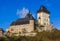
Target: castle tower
<point>43,16</point>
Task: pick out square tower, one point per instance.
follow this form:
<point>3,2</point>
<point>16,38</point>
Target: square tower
<point>43,16</point>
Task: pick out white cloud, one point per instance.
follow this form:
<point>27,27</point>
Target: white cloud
<point>22,13</point>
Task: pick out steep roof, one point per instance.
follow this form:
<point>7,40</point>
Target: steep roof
<point>23,20</point>
<point>29,16</point>
<point>43,9</point>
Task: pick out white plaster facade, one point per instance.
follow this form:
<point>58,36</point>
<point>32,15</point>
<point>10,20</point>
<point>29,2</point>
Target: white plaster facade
<point>43,18</point>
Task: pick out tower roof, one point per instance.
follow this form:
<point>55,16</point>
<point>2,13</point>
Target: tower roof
<point>43,9</point>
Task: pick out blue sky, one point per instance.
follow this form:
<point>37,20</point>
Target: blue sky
<point>8,10</point>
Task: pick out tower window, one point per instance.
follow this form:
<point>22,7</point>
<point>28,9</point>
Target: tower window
<point>39,18</point>
<point>49,16</point>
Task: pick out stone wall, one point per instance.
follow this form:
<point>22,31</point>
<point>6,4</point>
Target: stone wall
<point>17,29</point>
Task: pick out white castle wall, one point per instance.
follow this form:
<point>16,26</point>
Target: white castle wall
<point>44,18</point>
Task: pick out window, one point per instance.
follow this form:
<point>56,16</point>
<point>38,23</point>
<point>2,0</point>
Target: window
<point>39,18</point>
<point>49,16</point>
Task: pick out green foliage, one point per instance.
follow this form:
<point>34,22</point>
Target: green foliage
<point>40,25</point>
<point>36,31</point>
<point>54,35</point>
<point>4,39</point>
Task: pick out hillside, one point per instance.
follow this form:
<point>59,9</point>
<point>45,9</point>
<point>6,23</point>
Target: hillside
<point>41,36</point>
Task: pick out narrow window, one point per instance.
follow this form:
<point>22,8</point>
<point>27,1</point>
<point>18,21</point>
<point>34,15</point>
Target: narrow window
<point>39,18</point>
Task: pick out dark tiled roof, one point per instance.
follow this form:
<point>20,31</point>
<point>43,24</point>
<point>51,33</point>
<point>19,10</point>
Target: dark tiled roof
<point>43,9</point>
<point>21,21</point>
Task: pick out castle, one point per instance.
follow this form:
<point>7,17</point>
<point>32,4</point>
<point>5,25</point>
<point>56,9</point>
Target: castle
<point>28,24</point>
